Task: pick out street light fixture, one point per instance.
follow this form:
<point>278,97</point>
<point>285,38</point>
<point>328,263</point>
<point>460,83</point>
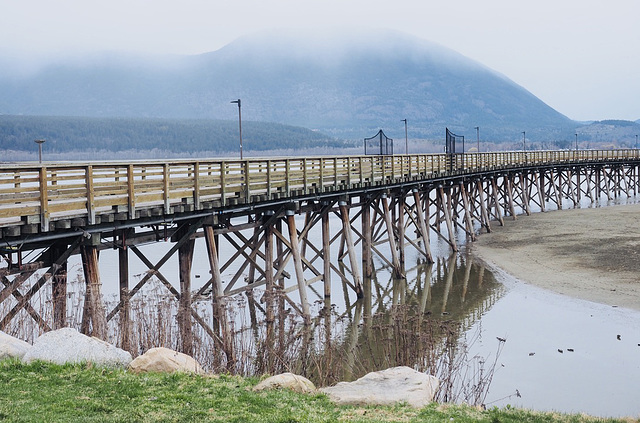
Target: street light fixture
<point>238,102</point>
<point>406,137</point>
<point>40,142</point>
<point>576,141</point>
<point>477,128</point>
<point>524,141</point>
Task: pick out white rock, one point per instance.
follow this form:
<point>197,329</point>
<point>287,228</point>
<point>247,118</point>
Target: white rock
<point>67,345</point>
<point>165,360</point>
<point>287,381</point>
<point>386,387</point>
<point>11,347</point>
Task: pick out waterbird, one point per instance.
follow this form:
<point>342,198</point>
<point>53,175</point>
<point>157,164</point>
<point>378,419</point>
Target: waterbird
<point>619,338</point>
<point>501,339</point>
<point>570,349</point>
<point>560,351</point>
<point>531,354</point>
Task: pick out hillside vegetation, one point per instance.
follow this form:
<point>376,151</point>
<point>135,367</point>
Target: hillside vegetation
<point>172,137</point>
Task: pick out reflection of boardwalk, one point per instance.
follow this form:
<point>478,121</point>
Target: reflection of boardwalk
<point>287,228</point>
<point>413,321</point>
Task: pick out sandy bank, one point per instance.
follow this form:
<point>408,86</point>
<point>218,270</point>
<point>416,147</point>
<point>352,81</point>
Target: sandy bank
<point>593,254</point>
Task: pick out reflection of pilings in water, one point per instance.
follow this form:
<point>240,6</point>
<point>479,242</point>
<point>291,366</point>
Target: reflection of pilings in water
<point>423,287</point>
<point>448,283</point>
<point>461,275</point>
<point>437,282</point>
<point>465,282</point>
<point>352,341</point>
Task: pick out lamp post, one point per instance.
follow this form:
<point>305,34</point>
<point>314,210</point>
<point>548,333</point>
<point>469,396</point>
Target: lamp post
<point>576,141</point>
<point>636,142</point>
<point>406,137</point>
<point>239,123</point>
<point>40,142</point>
<point>477,128</point>
<point>524,141</point>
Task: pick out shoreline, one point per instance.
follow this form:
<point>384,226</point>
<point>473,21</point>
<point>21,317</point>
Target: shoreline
<point>591,253</point>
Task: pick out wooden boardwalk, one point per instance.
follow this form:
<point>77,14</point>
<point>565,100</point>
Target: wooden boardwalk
<point>41,198</point>
<point>271,219</point>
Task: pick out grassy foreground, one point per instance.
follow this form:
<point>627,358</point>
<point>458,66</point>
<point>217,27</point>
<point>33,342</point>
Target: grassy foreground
<point>42,392</point>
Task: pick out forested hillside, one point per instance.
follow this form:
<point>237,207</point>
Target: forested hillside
<point>181,137</point>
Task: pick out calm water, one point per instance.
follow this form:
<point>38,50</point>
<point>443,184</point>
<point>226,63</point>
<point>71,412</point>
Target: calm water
<point>601,376</point>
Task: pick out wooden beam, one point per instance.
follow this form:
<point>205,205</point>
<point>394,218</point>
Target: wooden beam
<point>40,283</point>
<point>297,261</point>
<point>395,260</point>
<point>217,297</point>
<point>42,324</point>
<point>346,231</point>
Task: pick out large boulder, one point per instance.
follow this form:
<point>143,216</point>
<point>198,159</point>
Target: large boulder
<point>165,360</point>
<point>67,345</point>
<point>11,347</point>
<point>386,387</point>
<point>287,381</point>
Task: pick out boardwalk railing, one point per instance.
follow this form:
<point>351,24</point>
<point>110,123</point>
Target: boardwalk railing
<point>59,192</point>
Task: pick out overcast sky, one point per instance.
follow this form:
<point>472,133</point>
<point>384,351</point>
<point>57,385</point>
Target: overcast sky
<point>582,57</point>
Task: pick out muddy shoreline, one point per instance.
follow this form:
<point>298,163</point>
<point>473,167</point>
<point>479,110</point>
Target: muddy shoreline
<point>591,253</point>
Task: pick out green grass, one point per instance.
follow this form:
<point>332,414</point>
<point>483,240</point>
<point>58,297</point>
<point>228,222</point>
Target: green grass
<point>42,392</point>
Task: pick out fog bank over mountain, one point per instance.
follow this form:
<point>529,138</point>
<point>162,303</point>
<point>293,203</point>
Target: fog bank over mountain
<point>345,84</point>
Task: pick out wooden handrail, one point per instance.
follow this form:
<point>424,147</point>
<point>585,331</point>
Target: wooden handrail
<point>54,191</point>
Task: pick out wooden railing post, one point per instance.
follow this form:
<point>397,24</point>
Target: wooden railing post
<point>131,191</point>
<point>196,185</point>
<point>223,182</point>
<point>247,181</point>
<point>91,208</point>
<point>165,188</point>
<point>287,177</point>
<point>44,200</point>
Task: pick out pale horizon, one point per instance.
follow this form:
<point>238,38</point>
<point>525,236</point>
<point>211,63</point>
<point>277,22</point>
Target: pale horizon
<point>579,57</point>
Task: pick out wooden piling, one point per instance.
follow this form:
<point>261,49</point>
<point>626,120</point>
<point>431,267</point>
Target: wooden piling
<point>125,310</point>
<point>59,289</point>
<point>94,321</point>
<point>351,251</point>
<point>185,260</point>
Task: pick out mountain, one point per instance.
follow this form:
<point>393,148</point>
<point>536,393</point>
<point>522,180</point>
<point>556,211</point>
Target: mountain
<point>347,85</point>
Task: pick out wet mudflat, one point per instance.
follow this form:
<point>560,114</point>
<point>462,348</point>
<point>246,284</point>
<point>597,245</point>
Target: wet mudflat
<point>571,310</point>
<point>590,253</point>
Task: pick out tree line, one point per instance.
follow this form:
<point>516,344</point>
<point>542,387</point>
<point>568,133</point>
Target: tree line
<point>78,134</point>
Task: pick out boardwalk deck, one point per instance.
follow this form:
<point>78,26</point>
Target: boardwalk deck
<point>53,196</point>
